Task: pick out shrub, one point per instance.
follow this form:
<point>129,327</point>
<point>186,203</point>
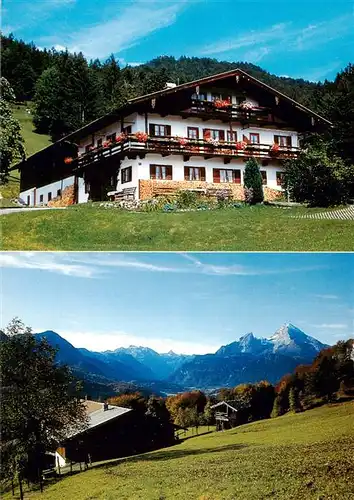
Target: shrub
<point>253,183</point>
<point>187,199</point>
<point>318,179</point>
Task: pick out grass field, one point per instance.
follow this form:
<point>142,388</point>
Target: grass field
<point>88,227</point>
<point>33,143</point>
<point>298,456</point>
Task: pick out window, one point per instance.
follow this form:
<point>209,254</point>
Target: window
<point>99,143</point>
<point>59,192</point>
<point>49,196</point>
<point>226,175</point>
<point>217,135</point>
<point>283,140</point>
<point>88,147</point>
<point>40,198</point>
<point>264,176</point>
<point>199,97</point>
<point>193,133</point>
<point>280,176</point>
<point>254,138</point>
<point>194,173</point>
<point>126,175</point>
<point>127,130</point>
<point>159,130</point>
<point>28,200</point>
<point>111,137</point>
<point>231,136</point>
<point>162,172</point>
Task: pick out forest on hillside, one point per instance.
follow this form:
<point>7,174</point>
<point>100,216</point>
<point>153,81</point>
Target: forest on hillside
<point>68,91</point>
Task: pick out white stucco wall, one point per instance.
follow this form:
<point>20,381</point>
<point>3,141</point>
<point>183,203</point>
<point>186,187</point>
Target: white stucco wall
<point>59,460</point>
<point>81,195</point>
<point>142,167</point>
<point>44,190</point>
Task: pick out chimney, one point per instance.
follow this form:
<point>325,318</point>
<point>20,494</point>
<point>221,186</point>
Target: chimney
<point>105,406</point>
<point>170,85</point>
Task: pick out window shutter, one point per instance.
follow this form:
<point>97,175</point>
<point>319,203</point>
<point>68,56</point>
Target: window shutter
<point>186,173</point>
<point>276,139</point>
<point>221,135</point>
<point>216,175</point>
<point>237,176</point>
<point>152,171</point>
<point>202,173</point>
<point>168,129</point>
<point>288,141</point>
<point>152,130</point>
<point>206,133</point>
<point>169,173</point>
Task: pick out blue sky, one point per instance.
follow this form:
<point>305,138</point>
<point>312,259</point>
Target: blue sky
<point>190,303</point>
<point>312,39</point>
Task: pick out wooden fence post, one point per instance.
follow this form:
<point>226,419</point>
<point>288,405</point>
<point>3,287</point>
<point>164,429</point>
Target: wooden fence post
<point>71,467</point>
<point>58,465</point>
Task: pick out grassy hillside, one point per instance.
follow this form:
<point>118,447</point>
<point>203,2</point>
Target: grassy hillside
<point>247,228</point>
<point>33,143</point>
<point>308,455</point>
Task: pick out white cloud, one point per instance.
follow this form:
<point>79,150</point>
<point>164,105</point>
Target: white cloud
<point>125,27</point>
<point>280,38</point>
<point>90,265</point>
<point>326,296</point>
<point>256,55</point>
<point>45,262</point>
<point>112,340</point>
<point>331,326</point>
<point>251,39</point>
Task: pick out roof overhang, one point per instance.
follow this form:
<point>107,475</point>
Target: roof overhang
<point>131,106</point>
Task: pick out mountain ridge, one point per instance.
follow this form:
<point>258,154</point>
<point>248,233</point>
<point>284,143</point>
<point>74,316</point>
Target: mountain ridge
<point>248,359</point>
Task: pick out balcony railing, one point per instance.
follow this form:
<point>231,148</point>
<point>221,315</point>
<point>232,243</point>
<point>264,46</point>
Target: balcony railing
<point>187,147</point>
<point>233,112</point>
<point>221,416</point>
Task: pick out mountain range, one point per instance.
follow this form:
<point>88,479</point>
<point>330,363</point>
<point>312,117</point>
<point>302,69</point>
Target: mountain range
<point>248,359</point>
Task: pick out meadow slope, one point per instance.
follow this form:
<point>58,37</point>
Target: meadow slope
<point>89,227</point>
<point>307,455</point>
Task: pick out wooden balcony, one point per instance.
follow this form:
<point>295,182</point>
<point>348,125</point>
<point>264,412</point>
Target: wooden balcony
<point>207,110</point>
<point>221,416</point>
<point>166,146</point>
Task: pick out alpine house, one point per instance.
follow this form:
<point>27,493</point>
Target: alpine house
<point>195,136</point>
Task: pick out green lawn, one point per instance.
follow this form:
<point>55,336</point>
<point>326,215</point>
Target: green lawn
<point>33,143</point>
<point>244,229</point>
<point>299,456</point>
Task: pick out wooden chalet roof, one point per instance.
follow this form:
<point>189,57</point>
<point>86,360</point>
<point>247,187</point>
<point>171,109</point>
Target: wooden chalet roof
<point>131,105</point>
<point>231,404</point>
<point>99,416</point>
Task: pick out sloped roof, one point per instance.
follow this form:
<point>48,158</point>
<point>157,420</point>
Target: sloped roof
<point>231,404</point>
<point>100,416</point>
<point>178,88</point>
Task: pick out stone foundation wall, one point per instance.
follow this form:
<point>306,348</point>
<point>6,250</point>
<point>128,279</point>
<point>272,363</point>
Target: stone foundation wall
<point>146,188</point>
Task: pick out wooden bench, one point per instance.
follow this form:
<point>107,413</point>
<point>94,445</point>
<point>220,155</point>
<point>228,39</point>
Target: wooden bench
<point>125,194</point>
<point>227,193</point>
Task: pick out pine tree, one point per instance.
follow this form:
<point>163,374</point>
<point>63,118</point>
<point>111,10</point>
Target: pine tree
<point>253,182</point>
<point>294,404</point>
<point>276,412</point>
